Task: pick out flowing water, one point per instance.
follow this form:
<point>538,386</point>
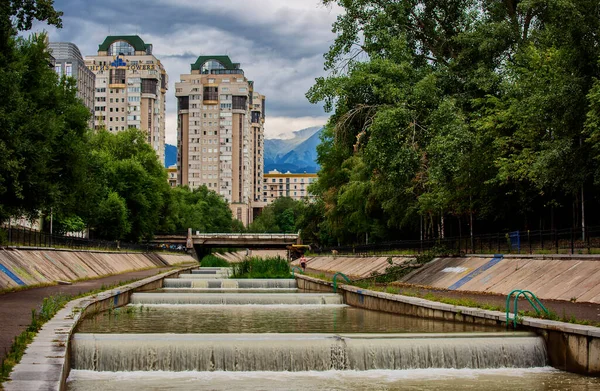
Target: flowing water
<point>304,352</point>
<point>204,331</point>
<point>227,290</point>
<point>532,379</point>
<point>228,283</point>
<point>236,298</point>
<point>264,319</point>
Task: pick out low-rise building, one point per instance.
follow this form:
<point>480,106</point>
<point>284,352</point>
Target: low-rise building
<point>172,175</point>
<point>278,184</point>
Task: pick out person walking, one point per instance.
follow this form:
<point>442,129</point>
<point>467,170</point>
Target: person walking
<point>303,262</point>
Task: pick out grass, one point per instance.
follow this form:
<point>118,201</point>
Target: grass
<point>256,267</point>
<point>50,306</point>
<point>213,261</point>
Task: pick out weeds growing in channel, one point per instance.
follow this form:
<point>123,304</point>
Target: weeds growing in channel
<point>213,261</point>
<point>50,306</point>
<point>256,267</point>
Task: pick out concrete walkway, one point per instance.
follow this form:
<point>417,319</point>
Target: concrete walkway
<point>15,307</point>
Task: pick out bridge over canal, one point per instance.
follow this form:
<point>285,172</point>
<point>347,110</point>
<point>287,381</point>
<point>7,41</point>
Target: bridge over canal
<point>227,240</point>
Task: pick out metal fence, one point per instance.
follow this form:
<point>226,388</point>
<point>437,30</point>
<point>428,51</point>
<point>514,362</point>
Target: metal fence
<point>27,237</point>
<point>563,241</point>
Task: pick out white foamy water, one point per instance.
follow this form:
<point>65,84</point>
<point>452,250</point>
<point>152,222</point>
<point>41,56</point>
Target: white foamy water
<point>236,298</point>
<point>304,352</point>
<point>531,379</point>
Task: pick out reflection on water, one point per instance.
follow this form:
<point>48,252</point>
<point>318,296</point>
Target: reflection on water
<point>263,319</point>
<point>537,379</point>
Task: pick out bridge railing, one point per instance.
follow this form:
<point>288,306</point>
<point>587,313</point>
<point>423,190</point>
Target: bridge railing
<point>246,235</point>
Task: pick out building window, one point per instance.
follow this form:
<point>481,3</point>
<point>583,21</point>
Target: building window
<point>69,70</point>
<point>239,102</point>
<point>211,93</point>
<point>183,102</point>
<point>58,69</point>
<point>121,48</point>
<point>149,86</point>
<point>117,76</point>
<point>210,65</point>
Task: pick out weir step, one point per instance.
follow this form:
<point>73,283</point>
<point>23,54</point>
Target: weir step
<point>305,352</point>
<point>236,298</point>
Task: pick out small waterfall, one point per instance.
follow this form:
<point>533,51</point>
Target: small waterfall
<point>229,283</point>
<point>200,284</point>
<point>236,298</point>
<point>216,268</point>
<point>304,352</point>
<point>267,283</point>
<point>204,276</point>
<point>230,290</point>
<point>211,273</point>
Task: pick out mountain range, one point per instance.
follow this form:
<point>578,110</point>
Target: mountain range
<point>170,155</point>
<point>297,154</point>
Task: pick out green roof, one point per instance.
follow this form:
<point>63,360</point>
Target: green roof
<point>225,60</point>
<point>134,40</point>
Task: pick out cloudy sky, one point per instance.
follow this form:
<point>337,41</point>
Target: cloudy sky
<point>279,43</point>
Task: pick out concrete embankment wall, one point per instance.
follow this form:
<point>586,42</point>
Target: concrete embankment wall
<point>556,277</point>
<point>25,267</point>
<point>549,277</point>
<point>46,362</point>
<point>353,267</point>
<point>571,347</point>
<point>239,256</point>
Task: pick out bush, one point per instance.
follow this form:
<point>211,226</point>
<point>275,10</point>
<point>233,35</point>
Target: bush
<point>255,267</point>
<point>213,261</point>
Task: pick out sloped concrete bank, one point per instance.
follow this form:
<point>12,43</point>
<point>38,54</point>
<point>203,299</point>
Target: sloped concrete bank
<point>571,347</point>
<point>46,362</point>
<point>26,267</point>
<point>553,277</point>
<point>352,266</point>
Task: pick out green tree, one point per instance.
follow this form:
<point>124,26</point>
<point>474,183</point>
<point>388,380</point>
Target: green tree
<point>463,110</point>
<point>43,133</point>
<point>111,221</point>
<point>126,165</point>
<point>280,216</point>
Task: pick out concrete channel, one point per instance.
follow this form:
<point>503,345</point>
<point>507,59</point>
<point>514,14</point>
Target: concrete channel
<point>571,347</point>
<point>47,362</point>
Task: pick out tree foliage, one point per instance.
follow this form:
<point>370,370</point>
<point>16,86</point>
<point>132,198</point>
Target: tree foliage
<point>457,111</point>
<point>280,216</point>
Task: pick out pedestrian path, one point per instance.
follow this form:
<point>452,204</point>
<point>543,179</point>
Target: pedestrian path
<point>15,307</point>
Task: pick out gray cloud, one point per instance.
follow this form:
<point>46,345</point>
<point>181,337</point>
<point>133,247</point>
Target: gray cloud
<point>280,44</point>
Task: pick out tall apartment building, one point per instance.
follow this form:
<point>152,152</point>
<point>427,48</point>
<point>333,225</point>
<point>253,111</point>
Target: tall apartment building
<point>278,185</point>
<point>131,86</point>
<point>221,133</point>
<point>68,61</point>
